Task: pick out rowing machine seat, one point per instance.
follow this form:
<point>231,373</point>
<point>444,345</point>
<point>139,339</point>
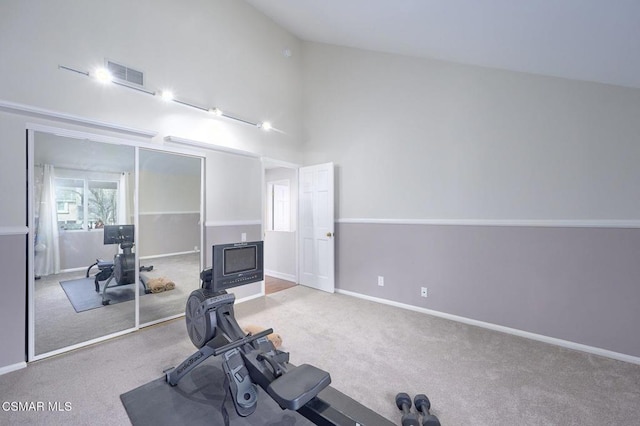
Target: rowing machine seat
<point>298,386</point>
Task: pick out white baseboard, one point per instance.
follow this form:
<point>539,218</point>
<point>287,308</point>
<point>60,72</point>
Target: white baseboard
<point>64,271</point>
<point>13,367</point>
<point>281,275</point>
<point>158,256</point>
<point>533,336</point>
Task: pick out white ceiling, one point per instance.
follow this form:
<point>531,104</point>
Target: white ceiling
<point>592,40</point>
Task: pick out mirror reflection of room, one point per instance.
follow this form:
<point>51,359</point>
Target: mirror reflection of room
<point>79,187</point>
<point>170,231</point>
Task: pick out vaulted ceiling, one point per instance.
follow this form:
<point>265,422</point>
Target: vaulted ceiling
<point>592,40</point>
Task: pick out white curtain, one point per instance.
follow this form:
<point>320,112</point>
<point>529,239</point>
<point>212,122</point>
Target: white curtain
<point>47,248</point>
<point>124,206</point>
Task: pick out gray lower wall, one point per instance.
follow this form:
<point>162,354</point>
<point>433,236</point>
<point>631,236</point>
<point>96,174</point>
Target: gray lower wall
<point>575,284</point>
<point>14,298</point>
<point>158,234</point>
<point>232,234</point>
<point>168,233</point>
<point>80,249</point>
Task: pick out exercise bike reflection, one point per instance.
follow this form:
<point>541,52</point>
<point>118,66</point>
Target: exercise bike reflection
<point>120,270</point>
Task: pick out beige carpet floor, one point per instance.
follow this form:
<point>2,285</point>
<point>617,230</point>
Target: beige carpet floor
<point>58,325</point>
<point>472,375</point>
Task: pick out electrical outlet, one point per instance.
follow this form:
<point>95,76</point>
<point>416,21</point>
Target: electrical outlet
<point>423,292</point>
<point>380,281</point>
<point>243,237</point>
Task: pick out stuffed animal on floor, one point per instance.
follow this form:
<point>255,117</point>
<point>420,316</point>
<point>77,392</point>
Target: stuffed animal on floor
<point>169,285</point>
<point>160,284</point>
<point>275,338</point>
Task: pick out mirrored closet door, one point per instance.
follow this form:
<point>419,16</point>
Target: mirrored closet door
<point>170,231</point>
<point>81,208</point>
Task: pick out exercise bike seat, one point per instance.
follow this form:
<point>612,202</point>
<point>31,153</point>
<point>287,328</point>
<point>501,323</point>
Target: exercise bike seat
<point>298,386</point>
<point>104,264</point>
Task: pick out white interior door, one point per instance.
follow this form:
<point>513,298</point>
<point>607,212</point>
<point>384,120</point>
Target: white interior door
<point>317,227</point>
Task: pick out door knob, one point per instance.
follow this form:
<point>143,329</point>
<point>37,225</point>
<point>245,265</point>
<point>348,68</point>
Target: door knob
<point>329,234</point>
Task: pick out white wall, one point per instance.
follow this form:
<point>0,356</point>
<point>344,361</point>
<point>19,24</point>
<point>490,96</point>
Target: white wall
<point>209,52</point>
<point>169,192</point>
<point>212,53</point>
<point>416,138</point>
<point>280,246</point>
<point>438,142</point>
<point>233,188</point>
<point>411,138</point>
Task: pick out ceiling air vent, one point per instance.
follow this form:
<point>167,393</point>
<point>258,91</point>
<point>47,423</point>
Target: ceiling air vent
<point>125,74</point>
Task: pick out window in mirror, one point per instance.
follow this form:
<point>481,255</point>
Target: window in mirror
<point>84,203</point>
<point>102,203</point>
<point>69,201</point>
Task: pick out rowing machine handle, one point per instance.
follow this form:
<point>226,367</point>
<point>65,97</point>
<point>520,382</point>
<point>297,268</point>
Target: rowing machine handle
<point>240,342</point>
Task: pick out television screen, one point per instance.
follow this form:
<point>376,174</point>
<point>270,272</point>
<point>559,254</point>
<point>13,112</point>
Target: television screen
<point>118,234</point>
<point>234,265</point>
<point>240,259</point>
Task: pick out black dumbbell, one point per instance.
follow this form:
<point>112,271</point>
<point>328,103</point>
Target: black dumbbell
<point>403,401</point>
<point>423,405</point>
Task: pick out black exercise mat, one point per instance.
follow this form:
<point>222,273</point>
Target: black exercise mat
<point>197,400</point>
<point>82,293</point>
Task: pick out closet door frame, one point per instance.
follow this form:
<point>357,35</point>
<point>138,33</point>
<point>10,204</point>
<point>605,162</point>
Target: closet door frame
<point>94,134</point>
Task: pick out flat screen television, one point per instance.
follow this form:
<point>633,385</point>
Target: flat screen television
<point>237,264</point>
<point>118,234</point>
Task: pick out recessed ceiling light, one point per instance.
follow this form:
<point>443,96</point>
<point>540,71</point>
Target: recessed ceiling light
<point>166,95</point>
<point>103,75</point>
<point>216,112</point>
<point>266,126</point>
